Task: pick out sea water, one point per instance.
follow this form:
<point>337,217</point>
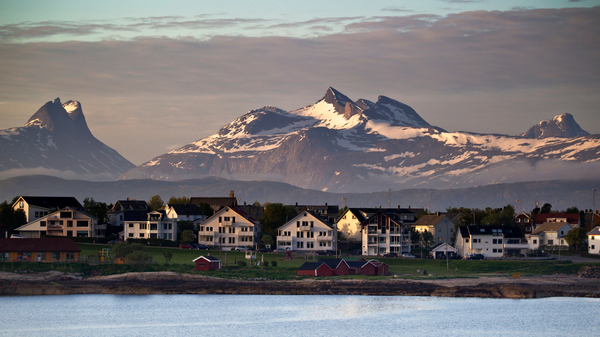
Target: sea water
<point>278,315</point>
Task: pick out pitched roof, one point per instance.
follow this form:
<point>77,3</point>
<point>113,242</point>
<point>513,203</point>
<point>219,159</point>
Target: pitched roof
<point>215,201</point>
<point>130,205</point>
<point>136,216</point>
<point>186,209</point>
<point>53,202</point>
<point>429,220</point>
<point>210,258</point>
<point>595,231</point>
<point>312,265</point>
<point>549,227</point>
<point>38,245</point>
<point>572,218</point>
<point>333,263</point>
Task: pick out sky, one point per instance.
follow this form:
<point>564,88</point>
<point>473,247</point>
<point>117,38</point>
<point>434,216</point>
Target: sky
<point>153,76</point>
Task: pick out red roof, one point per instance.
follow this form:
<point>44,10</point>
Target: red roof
<point>38,245</point>
<point>572,218</point>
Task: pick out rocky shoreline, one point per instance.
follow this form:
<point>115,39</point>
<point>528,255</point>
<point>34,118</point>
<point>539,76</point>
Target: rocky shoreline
<point>56,283</point>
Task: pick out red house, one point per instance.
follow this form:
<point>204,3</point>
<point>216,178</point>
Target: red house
<point>207,263</point>
<point>315,269</point>
<point>372,267</point>
<point>339,266</point>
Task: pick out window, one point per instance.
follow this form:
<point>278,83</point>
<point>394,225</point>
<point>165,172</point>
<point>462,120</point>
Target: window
<point>143,226</point>
<point>593,247</point>
<point>130,235</point>
<point>131,225</point>
<point>550,242</point>
<point>82,234</point>
<point>82,223</point>
<point>66,215</point>
<point>69,223</point>
<point>69,233</point>
<point>141,235</point>
<point>467,240</point>
<point>165,227</point>
<point>534,242</point>
<point>42,223</point>
<point>56,256</point>
<point>439,239</point>
<point>153,226</point>
<point>494,250</point>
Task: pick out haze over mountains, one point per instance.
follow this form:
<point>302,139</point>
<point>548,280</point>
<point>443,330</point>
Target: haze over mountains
<point>341,145</point>
<point>56,141</point>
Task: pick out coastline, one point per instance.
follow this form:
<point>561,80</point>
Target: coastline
<point>57,283</point>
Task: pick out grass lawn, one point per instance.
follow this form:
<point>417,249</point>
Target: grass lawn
<point>181,262</point>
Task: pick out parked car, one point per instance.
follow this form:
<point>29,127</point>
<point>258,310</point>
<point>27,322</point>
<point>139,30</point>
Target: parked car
<point>408,256</point>
<point>112,242</point>
<point>324,252</point>
<point>264,250</point>
<point>202,247</point>
<point>391,255</point>
<point>476,257</point>
<point>185,246</point>
<point>280,250</point>
<point>240,249</point>
<point>17,236</point>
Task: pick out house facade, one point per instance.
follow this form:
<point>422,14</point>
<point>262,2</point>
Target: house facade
<point>490,241</point>
<point>38,207</point>
<point>594,240</point>
<point>387,231</point>
<point>550,234</point>
<point>349,223</point>
<point>185,212</point>
<point>229,227</point>
<point>149,225</point>
<point>315,269</point>
<point>307,232</point>
<point>67,222</point>
<point>39,250</point>
<point>439,225</point>
<point>524,221</point>
<point>116,215</point>
<point>207,263</point>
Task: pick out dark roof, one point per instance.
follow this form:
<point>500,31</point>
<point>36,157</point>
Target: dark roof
<point>130,205</point>
<point>135,216</point>
<point>356,264</point>
<point>186,209</point>
<point>53,202</point>
<point>572,218</point>
<point>508,232</point>
<point>333,263</point>
<point>312,265</point>
<point>38,245</point>
<point>207,257</point>
<point>464,231</point>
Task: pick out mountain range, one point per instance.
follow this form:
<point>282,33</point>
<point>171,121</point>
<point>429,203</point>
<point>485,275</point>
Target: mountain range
<point>56,141</point>
<point>341,145</point>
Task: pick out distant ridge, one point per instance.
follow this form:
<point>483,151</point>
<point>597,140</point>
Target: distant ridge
<point>562,126</point>
<point>572,193</point>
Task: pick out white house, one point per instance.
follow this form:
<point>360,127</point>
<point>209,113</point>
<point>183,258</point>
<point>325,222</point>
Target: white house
<point>185,212</point>
<point>387,231</point>
<point>594,241</point>
<point>307,232</point>
<point>38,207</point>
<point>349,222</point>
<point>67,221</point>
<point>490,241</point>
<point>439,225</point>
<point>116,215</point>
<point>229,227</point>
<point>149,225</point>
<point>550,234</point>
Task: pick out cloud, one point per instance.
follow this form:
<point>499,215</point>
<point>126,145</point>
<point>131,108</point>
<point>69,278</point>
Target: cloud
<point>478,71</point>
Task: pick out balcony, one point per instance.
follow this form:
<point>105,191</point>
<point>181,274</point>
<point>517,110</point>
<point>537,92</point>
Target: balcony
<point>516,246</point>
<point>324,238</point>
<point>226,223</point>
<point>372,243</point>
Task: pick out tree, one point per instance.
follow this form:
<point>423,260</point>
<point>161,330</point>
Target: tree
<point>168,256</point>
<point>427,239</point>
<point>187,236</point>
<point>11,219</point>
<point>274,216</point>
<point>206,209</point>
<point>573,209</point>
<point>179,201</point>
<point>183,226</point>
<point>156,202</point>
<point>415,236</point>
<point>97,209</point>
<point>576,237</point>
<point>267,239</point>
<point>256,203</point>
<point>342,211</point>
<point>547,208</point>
<point>139,256</point>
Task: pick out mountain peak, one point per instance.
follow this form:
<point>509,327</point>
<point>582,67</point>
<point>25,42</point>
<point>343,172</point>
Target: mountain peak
<point>341,103</point>
<point>561,126</point>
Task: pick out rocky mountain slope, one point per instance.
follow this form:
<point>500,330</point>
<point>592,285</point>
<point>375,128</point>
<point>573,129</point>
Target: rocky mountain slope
<point>563,126</point>
<point>57,141</point>
<point>340,145</point>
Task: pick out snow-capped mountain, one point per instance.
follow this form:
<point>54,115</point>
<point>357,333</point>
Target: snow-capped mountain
<point>341,145</point>
<point>57,141</point>
<point>563,126</point>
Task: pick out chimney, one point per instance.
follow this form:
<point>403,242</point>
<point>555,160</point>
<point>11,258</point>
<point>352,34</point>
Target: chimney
<point>231,194</point>
<point>398,206</point>
<point>437,213</point>
<point>296,204</point>
<point>325,204</point>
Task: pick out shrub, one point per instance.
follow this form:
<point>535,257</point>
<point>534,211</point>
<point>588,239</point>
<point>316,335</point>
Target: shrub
<point>139,256</point>
<point>266,263</point>
<point>241,263</point>
<point>273,263</point>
